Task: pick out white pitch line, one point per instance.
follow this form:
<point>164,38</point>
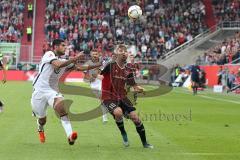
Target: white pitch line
<point>208,97</point>
<point>209,154</point>
<point>231,101</point>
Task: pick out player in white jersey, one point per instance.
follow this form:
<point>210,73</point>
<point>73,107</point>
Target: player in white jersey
<point>96,80</point>
<point>46,92</point>
<point>3,68</point>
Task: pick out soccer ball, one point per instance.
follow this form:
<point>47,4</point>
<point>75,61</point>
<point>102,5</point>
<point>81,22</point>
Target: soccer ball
<point>134,12</point>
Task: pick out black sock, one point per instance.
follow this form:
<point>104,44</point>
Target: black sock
<point>141,132</point>
<point>1,104</point>
<point>195,89</point>
<point>120,125</point>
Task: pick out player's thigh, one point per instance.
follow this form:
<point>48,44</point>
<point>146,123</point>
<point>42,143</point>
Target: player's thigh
<point>39,104</point>
<point>96,92</point>
<point>96,88</point>
<point>97,84</point>
<point>113,107</point>
<point>129,111</point>
<point>54,98</point>
<point>127,106</point>
<point>193,82</point>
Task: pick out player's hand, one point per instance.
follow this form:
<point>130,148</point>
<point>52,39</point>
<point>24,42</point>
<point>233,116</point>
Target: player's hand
<point>78,57</point>
<point>139,89</point>
<point>105,61</point>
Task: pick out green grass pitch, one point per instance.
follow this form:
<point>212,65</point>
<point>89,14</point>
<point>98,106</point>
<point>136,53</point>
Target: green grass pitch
<point>179,125</point>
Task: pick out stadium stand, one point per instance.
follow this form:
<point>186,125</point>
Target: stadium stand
<point>226,52</point>
<point>99,24</point>
<point>11,20</point>
<point>226,10</point>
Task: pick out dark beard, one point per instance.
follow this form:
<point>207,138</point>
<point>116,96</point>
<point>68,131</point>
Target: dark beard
<point>124,61</point>
<point>60,53</point>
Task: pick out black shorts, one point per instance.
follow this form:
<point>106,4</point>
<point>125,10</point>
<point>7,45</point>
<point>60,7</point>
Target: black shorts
<point>1,104</point>
<point>195,79</point>
<point>125,104</point>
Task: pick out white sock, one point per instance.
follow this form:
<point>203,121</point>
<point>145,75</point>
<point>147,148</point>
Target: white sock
<point>104,117</point>
<point>104,109</point>
<point>66,125</point>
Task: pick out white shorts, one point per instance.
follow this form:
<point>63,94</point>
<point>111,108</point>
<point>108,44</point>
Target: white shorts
<point>40,100</point>
<point>96,86</point>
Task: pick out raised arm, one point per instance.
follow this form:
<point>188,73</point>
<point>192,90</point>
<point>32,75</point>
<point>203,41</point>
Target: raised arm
<point>87,67</point>
<point>60,64</point>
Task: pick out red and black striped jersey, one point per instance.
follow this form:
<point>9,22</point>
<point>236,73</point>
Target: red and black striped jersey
<point>115,81</point>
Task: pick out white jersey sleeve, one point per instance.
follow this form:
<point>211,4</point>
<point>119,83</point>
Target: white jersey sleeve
<point>48,57</point>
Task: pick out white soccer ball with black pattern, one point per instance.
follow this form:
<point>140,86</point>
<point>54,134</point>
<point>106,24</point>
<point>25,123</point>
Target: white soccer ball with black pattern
<point>134,12</point>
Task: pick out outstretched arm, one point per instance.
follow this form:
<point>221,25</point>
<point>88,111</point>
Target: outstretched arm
<point>60,64</point>
<point>87,67</point>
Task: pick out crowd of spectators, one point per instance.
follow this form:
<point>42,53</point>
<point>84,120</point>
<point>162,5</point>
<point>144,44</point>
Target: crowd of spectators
<point>226,52</point>
<point>226,10</point>
<point>11,20</point>
<point>88,24</point>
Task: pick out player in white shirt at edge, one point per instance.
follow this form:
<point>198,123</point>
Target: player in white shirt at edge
<point>45,88</point>
<point>95,79</point>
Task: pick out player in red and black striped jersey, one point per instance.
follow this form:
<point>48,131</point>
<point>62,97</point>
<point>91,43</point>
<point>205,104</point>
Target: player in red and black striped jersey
<point>3,68</point>
<point>114,94</point>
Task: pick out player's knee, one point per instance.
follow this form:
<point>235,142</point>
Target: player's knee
<point>118,113</point>
<point>134,117</point>
<point>136,121</point>
<point>42,121</point>
<point>59,108</point>
<point>61,111</point>
<point>58,102</point>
